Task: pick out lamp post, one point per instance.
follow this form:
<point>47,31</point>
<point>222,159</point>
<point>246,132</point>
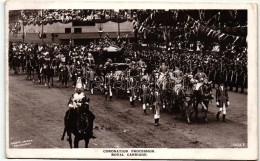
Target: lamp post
<point>100,30</point>
<point>118,23</point>
<point>23,31</point>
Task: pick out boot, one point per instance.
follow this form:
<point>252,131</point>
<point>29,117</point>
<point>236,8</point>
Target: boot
<point>110,98</point>
<point>133,104</point>
<point>217,116</point>
<point>156,122</point>
<point>224,118</point>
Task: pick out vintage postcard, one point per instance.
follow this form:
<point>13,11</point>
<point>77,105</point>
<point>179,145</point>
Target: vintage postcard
<point>131,80</point>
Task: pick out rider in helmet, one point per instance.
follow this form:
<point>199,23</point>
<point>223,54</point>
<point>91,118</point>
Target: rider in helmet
<point>178,75</point>
<point>77,97</point>
<point>163,68</point>
<point>200,77</point>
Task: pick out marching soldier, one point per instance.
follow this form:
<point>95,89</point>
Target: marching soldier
<point>163,68</point>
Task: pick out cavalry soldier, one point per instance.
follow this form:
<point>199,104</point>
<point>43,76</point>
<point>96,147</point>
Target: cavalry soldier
<point>77,97</point>
<point>200,77</point>
<point>141,66</point>
<point>133,70</point>
<point>163,68</point>
<point>108,66</point>
<point>79,104</point>
<point>141,63</point>
<point>222,100</point>
<point>178,79</point>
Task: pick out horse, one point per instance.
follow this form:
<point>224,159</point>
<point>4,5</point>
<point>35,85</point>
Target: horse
<point>203,96</point>
<point>78,122</point>
<point>31,66</point>
<point>47,71</point>
<point>187,99</point>
<point>77,73</point>
<point>15,64</point>
<point>166,93</point>
<point>64,75</point>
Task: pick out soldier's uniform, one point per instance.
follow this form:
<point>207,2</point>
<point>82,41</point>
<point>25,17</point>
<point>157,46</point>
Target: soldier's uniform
<point>157,107</point>
<point>200,77</point>
<point>163,68</point>
<point>178,80</point>
<point>222,100</point>
<point>77,98</point>
<point>145,96</point>
<point>91,78</point>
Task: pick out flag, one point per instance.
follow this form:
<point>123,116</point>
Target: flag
<point>220,36</point>
<point>236,38</point>
<point>141,29</point>
<point>210,31</point>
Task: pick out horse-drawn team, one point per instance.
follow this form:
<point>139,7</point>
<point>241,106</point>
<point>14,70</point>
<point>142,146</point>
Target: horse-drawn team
<point>163,88</point>
<point>160,89</point>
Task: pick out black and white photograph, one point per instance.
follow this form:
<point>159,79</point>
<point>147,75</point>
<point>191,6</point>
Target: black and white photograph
<point>131,82</point>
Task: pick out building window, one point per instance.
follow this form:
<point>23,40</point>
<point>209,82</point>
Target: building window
<point>77,30</point>
<point>67,30</point>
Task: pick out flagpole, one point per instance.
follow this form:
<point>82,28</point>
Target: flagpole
<point>23,31</point>
<point>118,23</point>
<point>42,26</point>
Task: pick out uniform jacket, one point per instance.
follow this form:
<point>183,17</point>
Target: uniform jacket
<point>222,96</point>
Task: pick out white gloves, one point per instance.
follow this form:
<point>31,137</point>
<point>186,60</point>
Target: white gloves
<point>217,103</point>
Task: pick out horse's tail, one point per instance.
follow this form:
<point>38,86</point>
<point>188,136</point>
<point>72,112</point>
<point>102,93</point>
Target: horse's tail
<point>65,125</point>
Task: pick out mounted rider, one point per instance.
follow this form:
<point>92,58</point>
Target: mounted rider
<point>108,66</point>
<point>141,66</point>
<point>200,78</point>
<point>178,79</point>
<point>79,103</point>
<point>163,69</point>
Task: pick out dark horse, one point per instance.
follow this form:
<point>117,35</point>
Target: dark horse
<point>79,122</point>
<point>203,96</point>
<point>64,75</point>
<point>47,71</point>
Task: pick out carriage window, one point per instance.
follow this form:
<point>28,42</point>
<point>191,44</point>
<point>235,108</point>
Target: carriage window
<point>67,30</point>
<point>77,30</point>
